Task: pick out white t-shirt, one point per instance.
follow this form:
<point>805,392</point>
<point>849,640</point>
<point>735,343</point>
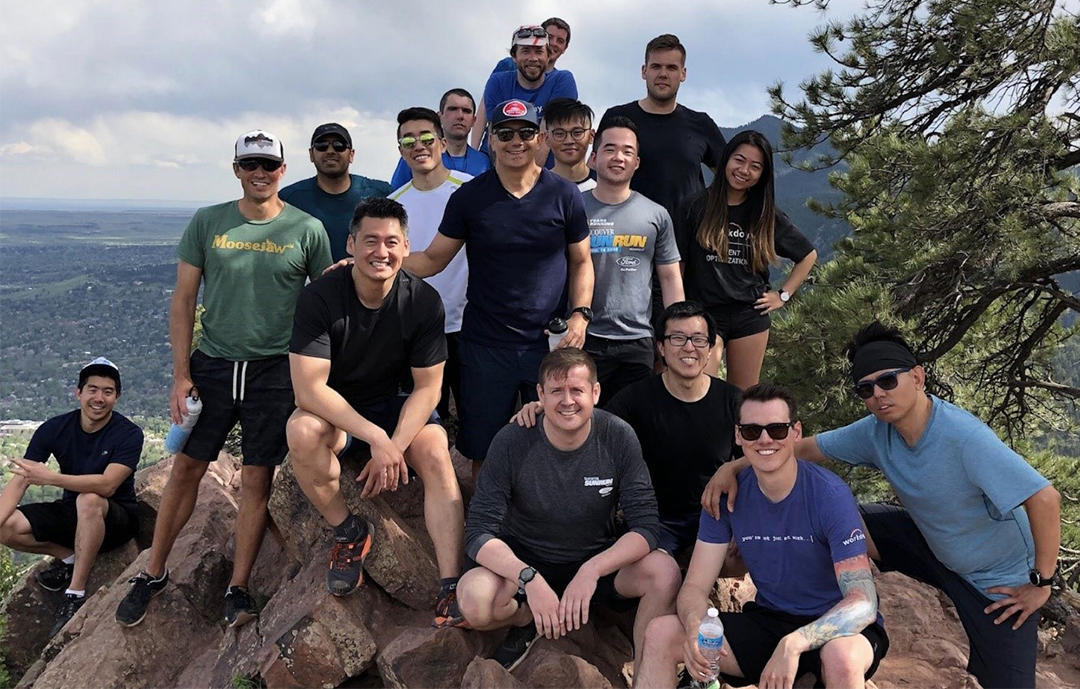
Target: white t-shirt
<point>425,209</point>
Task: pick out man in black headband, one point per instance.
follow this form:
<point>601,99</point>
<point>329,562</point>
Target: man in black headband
<point>962,528</point>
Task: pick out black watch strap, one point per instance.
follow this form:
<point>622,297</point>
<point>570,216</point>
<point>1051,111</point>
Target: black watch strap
<point>1037,579</point>
<point>584,311</point>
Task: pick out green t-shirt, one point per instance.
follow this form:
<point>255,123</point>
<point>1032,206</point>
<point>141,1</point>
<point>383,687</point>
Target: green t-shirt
<point>252,271</point>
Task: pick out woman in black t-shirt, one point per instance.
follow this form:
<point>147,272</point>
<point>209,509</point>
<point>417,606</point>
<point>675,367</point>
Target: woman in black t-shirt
<point>728,236</point>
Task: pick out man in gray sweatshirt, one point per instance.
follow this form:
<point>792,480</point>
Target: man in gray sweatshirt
<point>541,538</point>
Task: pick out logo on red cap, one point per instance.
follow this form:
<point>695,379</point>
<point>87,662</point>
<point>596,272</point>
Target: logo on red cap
<point>515,108</point>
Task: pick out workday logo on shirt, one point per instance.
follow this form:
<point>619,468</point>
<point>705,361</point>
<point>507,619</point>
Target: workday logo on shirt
<point>856,535</point>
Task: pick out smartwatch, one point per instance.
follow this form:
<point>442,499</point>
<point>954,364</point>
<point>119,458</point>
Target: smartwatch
<point>584,311</point>
<point>524,577</point>
<point>785,296</point>
<point>1037,579</point>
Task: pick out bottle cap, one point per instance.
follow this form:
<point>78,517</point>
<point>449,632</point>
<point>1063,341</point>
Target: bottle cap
<point>713,612</point>
<point>557,325</point>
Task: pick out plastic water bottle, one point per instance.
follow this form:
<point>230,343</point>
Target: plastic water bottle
<point>179,433</point>
<point>556,332</point>
<point>710,638</point>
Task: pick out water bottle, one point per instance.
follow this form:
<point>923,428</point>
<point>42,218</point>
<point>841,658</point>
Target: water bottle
<point>710,638</point>
<point>556,332</point>
<point>179,433</point>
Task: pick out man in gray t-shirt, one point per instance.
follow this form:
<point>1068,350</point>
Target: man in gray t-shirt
<point>630,236</point>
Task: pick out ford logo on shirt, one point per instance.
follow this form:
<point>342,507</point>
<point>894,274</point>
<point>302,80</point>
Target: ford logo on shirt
<point>628,261</point>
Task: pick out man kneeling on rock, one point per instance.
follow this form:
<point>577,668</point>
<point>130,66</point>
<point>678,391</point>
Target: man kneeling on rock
<point>797,527</point>
<point>359,333</point>
<point>97,450</point>
<point>541,532</point>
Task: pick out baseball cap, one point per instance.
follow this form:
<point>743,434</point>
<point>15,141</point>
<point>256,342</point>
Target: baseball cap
<point>515,111</point>
<point>259,144</point>
<point>328,129</point>
<point>100,367</point>
<point>529,34</point>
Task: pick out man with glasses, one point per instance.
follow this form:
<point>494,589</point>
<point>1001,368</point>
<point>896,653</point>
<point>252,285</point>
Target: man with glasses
<point>978,522</point>
<point>526,240</point>
<point>457,113</point>
<point>332,194</point>
<point>568,124</point>
<point>252,258</point>
<point>797,528</point>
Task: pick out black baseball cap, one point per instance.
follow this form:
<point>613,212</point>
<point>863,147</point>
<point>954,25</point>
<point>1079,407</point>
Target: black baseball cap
<point>331,128</point>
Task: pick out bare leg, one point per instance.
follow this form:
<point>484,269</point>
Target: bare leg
<point>662,651</point>
<point>177,503</point>
<point>844,662</point>
<point>744,358</point>
<point>655,579</point>
<point>444,512</point>
<point>251,520</point>
<point>487,601</point>
<point>89,534</point>
<point>313,447</point>
<point>16,534</point>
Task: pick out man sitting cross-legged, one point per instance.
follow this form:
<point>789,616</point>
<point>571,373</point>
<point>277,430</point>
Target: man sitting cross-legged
<point>798,530</point>
<point>540,534</point>
<point>358,333</point>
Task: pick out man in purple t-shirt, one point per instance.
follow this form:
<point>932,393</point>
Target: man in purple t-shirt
<point>797,528</point>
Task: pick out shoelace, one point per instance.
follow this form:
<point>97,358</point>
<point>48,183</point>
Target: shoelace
<point>341,561</point>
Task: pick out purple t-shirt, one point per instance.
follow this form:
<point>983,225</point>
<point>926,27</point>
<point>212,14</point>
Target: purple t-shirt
<point>790,546</point>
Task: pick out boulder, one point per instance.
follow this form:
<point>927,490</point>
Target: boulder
<point>547,668</point>
<point>485,673</point>
<point>427,657</point>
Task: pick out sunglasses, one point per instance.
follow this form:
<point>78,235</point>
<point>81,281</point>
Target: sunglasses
<point>506,134</point>
<point>323,146</point>
<point>886,381</point>
<point>535,32</point>
<point>577,134</point>
<point>700,341</point>
<point>776,431</point>
<point>251,164</point>
<point>427,139</point>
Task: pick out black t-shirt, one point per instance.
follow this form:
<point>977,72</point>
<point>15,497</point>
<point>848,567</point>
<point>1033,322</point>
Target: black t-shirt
<point>672,149</point>
<point>715,283</point>
<point>370,350</point>
<point>80,453</point>
<point>683,442</point>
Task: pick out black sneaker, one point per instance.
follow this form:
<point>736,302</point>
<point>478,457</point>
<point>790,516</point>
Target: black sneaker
<point>239,607</point>
<point>447,613</point>
<point>132,609</point>
<point>347,563</point>
<point>56,576</point>
<point>65,611</point>
<point>515,646</point>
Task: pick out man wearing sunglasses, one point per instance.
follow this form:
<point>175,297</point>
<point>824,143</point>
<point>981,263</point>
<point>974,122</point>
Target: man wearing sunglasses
<point>332,194</point>
<point>978,521</point>
<point>568,124</point>
<point>252,258</point>
<point>457,114</point>
<point>797,528</point>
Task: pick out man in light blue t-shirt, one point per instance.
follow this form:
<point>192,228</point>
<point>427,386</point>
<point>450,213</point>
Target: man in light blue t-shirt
<point>978,521</point>
<point>457,115</point>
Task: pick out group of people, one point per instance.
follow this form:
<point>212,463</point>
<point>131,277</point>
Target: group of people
<point>607,471</point>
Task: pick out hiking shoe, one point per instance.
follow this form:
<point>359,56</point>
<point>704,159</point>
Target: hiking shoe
<point>132,609</point>
<point>347,564</point>
<point>515,646</point>
<point>239,607</point>
<point>56,576</point>
<point>447,613</point>
<point>65,611</point>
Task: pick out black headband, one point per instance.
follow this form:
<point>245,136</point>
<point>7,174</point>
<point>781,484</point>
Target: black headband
<point>878,356</point>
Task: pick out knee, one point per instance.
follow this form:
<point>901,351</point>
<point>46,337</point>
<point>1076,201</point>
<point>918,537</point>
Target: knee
<point>431,459</point>
<point>841,661</point>
<point>663,634</point>
<point>662,574</point>
<point>256,482</point>
<point>91,506</point>
<point>187,471</point>
<point>306,434</point>
<point>475,602</point>
<point>9,531</point>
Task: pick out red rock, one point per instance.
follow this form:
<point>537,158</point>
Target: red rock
<point>487,674</point>
<point>546,668</point>
<point>427,658</point>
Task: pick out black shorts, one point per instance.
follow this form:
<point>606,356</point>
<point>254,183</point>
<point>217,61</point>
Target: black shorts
<point>257,393</point>
<point>384,414</point>
<point>559,575</point>
<point>754,634</point>
<point>55,522</point>
<point>620,363</point>
<point>739,320</point>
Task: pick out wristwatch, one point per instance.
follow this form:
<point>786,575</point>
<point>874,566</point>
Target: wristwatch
<point>524,577</point>
<point>785,296</point>
<point>585,311</point>
<point>1037,579</point>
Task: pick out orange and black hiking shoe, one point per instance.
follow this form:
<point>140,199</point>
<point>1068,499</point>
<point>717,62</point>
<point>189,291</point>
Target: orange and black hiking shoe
<point>447,613</point>
<point>347,563</point>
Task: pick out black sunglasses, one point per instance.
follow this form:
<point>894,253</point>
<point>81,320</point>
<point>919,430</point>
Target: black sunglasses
<point>776,431</point>
<point>506,134</point>
<point>886,381</point>
<point>322,146</point>
<point>250,164</point>
<point>534,32</point>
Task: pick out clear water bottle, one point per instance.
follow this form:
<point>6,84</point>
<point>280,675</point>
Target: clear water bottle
<point>710,638</point>
<point>556,332</point>
<point>179,433</point>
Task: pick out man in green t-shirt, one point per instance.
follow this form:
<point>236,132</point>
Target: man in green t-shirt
<point>252,258</point>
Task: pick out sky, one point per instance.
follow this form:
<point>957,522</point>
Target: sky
<point>129,99</point>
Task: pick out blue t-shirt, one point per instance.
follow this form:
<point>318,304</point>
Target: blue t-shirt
<point>961,485</point>
<point>473,162</point>
<point>503,86</point>
<point>790,546</point>
<point>516,250</point>
<point>80,453</point>
<point>506,64</point>
<point>334,210</point>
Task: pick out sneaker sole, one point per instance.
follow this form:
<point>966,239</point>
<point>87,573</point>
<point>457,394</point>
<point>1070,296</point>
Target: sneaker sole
<point>242,619</point>
<point>153,595</point>
<point>49,588</point>
<point>363,557</point>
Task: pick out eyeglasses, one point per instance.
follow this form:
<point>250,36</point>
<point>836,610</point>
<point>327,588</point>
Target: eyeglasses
<point>531,32</point>
<point>427,139</point>
<point>506,134</point>
<point>251,164</point>
<point>700,341</point>
<point>323,146</point>
<point>776,431</point>
<point>577,133</point>
<point>886,381</point>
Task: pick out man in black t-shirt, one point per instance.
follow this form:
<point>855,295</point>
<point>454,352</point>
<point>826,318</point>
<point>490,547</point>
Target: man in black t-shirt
<point>359,332</point>
<point>97,450</point>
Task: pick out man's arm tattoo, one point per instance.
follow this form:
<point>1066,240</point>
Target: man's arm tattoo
<point>851,615</point>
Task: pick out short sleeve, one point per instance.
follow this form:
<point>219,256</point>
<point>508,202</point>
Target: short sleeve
<point>192,246</point>
<point>454,223</point>
<point>667,251</point>
<point>789,242</point>
<point>838,519</point>
<point>715,530</point>
<point>852,444</point>
<point>492,94</point>
<point>318,257</point>
<point>311,324</point>
<point>430,345</point>
<point>40,447</point>
<point>129,450</point>
<point>1004,477</point>
<point>567,86</point>
<point>577,223</point>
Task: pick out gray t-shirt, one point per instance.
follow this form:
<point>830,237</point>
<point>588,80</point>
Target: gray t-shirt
<point>561,505</point>
<point>627,240</point>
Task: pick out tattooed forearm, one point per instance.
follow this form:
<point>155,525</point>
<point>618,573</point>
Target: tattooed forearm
<point>851,615</point>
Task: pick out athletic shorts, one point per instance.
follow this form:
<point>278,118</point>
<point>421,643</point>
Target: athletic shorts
<point>384,414</point>
<point>620,363</point>
<point>754,634</point>
<point>736,321</point>
<point>55,522</point>
<point>678,532</point>
<point>257,393</point>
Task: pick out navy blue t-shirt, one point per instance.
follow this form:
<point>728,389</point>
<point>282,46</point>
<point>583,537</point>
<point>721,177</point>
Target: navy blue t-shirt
<point>334,210</point>
<point>516,250</point>
<point>80,453</point>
